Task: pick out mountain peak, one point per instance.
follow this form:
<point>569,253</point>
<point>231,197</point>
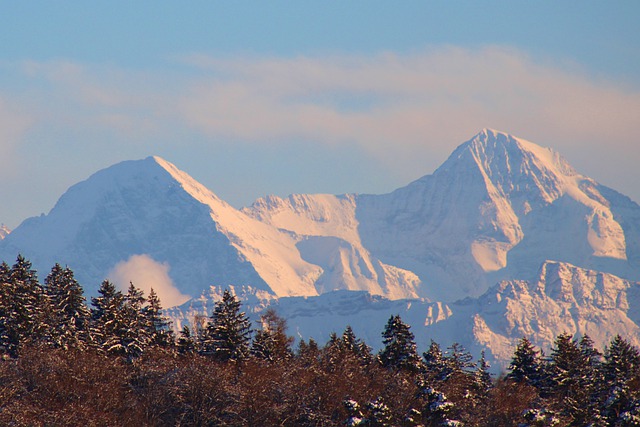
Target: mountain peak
<point>507,162</point>
<point>490,144</point>
<point>492,133</point>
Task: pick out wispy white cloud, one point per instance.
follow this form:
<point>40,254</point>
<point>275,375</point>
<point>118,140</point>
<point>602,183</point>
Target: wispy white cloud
<point>381,102</point>
<point>146,273</point>
<point>392,101</point>
<point>402,109</point>
<point>407,109</point>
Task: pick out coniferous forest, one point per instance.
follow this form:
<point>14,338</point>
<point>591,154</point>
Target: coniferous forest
<point>116,361</point>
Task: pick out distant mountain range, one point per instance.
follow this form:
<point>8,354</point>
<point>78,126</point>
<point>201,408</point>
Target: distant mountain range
<point>504,239</point>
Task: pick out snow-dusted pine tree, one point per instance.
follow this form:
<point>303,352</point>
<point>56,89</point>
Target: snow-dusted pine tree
<point>399,350</point>
<point>23,306</point>
<point>482,379</point>
<point>354,413</point>
<point>135,336</point>
<point>355,346</point>
<point>228,332</point>
<point>8,333</point>
<point>378,414</point>
<point>459,358</point>
<point>571,376</point>
<point>526,366</point>
<point>437,410</point>
<point>308,353</point>
<point>157,326</point>
<point>108,319</point>
<point>435,366</point>
<point>591,382</point>
<point>68,316</point>
<point>186,343</point>
<point>621,370</point>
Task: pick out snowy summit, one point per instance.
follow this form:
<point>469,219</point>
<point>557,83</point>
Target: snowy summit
<point>497,210</point>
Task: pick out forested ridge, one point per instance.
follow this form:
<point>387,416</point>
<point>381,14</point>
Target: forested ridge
<point>116,361</point>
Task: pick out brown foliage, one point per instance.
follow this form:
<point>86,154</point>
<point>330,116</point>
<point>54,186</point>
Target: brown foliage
<point>49,387</point>
<point>55,387</point>
<point>506,403</point>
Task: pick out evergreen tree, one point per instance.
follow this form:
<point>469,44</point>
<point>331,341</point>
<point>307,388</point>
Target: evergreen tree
<point>526,366</point>
<point>158,327</point>
<point>186,344</point>
<point>354,414</point>
<point>437,410</point>
<point>349,340</point>
<point>591,382</point>
<point>355,346</point>
<point>23,306</point>
<point>435,366</point>
<point>571,376</point>
<point>477,405</point>
<point>228,332</point>
<point>109,319</point>
<point>332,353</point>
<point>482,378</point>
<point>135,336</point>
<point>378,414</point>
<point>346,347</point>
<point>308,353</point>
<point>399,350</point>
<point>68,317</point>
<point>460,384</point>
<point>8,333</point>
<point>458,359</point>
<point>271,342</point>
<point>119,324</point>
<point>539,418</point>
<point>622,377</point>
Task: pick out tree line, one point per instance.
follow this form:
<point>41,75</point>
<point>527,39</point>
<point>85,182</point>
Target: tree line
<point>118,362</point>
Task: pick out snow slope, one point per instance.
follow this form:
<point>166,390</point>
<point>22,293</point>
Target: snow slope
<point>150,207</point>
<point>497,208</point>
<point>327,232</point>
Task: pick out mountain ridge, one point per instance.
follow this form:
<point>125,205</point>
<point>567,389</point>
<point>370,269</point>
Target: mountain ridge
<point>495,203</point>
<point>464,251</point>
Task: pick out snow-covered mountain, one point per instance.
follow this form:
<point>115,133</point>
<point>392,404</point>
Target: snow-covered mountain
<point>150,208</point>
<point>496,209</point>
<point>504,239</point>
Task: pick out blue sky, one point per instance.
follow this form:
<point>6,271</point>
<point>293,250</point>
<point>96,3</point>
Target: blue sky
<point>255,98</point>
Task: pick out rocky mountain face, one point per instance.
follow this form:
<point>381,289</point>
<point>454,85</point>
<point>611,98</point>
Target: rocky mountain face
<point>496,209</point>
<point>504,239</point>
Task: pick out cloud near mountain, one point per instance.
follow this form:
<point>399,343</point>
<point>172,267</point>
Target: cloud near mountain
<point>147,274</point>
